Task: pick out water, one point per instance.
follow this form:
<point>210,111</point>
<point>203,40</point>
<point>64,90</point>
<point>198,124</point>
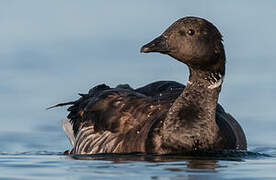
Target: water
<point>55,165</point>
<point>50,51</point>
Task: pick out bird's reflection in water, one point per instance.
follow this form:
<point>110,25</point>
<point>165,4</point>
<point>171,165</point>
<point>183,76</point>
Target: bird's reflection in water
<point>203,164</point>
<point>199,165</point>
<point>195,160</point>
<point>196,170</point>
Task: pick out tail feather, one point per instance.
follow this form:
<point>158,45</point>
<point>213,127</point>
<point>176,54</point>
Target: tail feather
<point>61,104</point>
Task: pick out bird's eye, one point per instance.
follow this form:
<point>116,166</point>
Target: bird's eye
<point>191,32</point>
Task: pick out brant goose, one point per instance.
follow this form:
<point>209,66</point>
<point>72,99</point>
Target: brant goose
<point>164,116</point>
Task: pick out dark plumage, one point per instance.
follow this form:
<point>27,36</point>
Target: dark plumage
<point>164,116</point>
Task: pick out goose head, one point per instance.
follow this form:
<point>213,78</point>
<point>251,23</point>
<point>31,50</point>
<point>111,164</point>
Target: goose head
<point>193,41</point>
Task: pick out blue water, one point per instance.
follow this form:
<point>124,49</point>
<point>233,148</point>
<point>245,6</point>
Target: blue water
<point>52,50</point>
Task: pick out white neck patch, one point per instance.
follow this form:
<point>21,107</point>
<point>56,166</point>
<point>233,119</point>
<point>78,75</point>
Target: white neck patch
<point>215,82</point>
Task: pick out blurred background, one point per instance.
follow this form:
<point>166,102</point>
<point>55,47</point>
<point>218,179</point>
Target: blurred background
<point>52,50</point>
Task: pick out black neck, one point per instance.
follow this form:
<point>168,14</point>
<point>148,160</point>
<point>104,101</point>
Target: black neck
<point>194,110</point>
<point>199,99</point>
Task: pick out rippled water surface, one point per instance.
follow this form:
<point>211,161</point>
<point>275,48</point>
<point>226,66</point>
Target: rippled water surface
<point>45,165</point>
<point>52,50</point>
